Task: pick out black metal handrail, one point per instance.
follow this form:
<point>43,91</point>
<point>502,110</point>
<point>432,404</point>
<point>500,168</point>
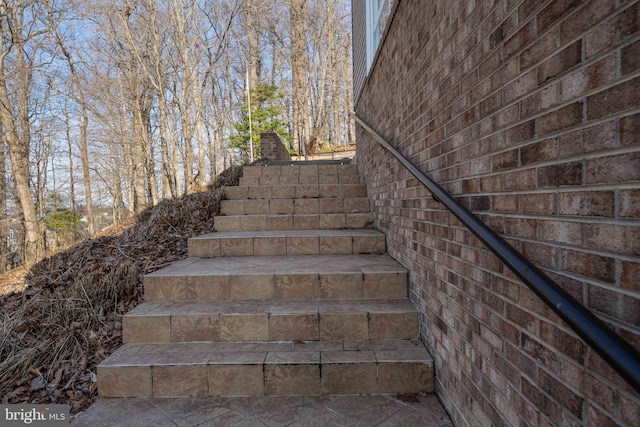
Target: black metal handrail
<point>619,354</point>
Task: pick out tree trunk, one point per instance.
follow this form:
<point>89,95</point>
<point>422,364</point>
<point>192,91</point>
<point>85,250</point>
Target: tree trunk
<point>72,184</point>
<point>4,217</point>
<point>19,154</point>
<point>299,69</point>
<point>253,42</point>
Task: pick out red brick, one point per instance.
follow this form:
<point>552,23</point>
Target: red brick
<point>520,133</point>
<point>504,203</point>
<point>491,183</point>
<point>573,374</point>
<point>522,38</point>
<point>587,203</point>
<point>540,400</point>
<point>600,419</point>
<point>431,115</point>
<point>542,203</point>
<point>560,62</point>
<point>541,101</point>
<point>630,275</point>
<point>555,11</point>
<point>560,174</point>
<point>507,72</point>
<point>542,47</point>
<point>589,14</point>
<point>491,104</point>
<point>596,365</point>
<point>505,367</point>
<point>526,410</point>
<point>630,61</point>
<point>504,287</point>
<point>630,130</point>
<point>605,301</point>
<point>480,91</point>
<point>521,227</point>
<point>520,179</point>
<point>520,360</point>
<point>573,287</point>
<point>614,238</point>
<point>539,152</point>
<point>568,233</point>
<point>521,318</point>
<point>590,265</point>
<point>598,74</point>
<point>559,119</point>
<point>504,160</point>
<point>612,31</point>
<point>506,116</point>
<point>615,100</point>
<point>527,8</point>
<point>542,254</point>
<point>476,203</point>
<point>523,85</point>
<point>612,169</point>
<point>589,140</point>
<point>561,394</point>
<point>630,310</point>
<point>630,409</point>
<point>471,185</point>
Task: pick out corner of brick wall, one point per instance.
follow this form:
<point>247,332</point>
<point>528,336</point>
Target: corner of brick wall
<point>529,113</point>
<point>272,147</point>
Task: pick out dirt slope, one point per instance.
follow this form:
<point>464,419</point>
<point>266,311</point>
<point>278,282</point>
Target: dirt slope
<point>68,319</point>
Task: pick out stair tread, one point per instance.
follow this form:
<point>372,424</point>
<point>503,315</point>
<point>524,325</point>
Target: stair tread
<point>294,264</point>
<point>270,352</point>
<point>290,233</point>
<point>163,308</point>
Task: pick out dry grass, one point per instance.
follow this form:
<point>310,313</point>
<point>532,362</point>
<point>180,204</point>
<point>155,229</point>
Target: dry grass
<point>55,332</point>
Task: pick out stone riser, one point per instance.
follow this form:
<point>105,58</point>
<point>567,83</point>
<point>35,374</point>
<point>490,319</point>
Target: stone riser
<point>293,222</point>
<point>295,206</point>
<point>272,191</point>
<point>280,371</point>
<point>278,278</point>
<point>299,180</point>
<point>295,171</point>
<point>297,320</point>
<point>314,242</point>
<point>282,287</point>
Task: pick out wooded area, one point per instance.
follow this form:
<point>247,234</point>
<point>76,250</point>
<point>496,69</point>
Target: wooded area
<point>109,106</point>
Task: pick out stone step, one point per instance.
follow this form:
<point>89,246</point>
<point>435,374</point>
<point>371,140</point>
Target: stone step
<point>299,180</point>
<point>288,242</point>
<point>326,221</point>
<point>299,170</point>
<point>267,368</point>
<point>298,277</point>
<point>286,191</point>
<point>305,320</point>
<point>294,206</point>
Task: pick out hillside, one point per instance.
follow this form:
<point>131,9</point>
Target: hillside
<point>68,319</point>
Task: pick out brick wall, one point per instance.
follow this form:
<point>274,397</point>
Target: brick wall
<point>528,112</point>
<point>359,45</point>
<point>272,147</point>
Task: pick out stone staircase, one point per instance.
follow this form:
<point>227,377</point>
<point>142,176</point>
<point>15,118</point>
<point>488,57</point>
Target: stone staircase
<point>293,295</point>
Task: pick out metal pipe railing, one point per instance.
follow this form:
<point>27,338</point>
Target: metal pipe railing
<point>619,354</point>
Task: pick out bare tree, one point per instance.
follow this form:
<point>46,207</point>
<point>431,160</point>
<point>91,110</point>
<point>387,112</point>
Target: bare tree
<point>4,220</point>
<point>18,28</point>
<point>83,119</point>
<point>299,72</point>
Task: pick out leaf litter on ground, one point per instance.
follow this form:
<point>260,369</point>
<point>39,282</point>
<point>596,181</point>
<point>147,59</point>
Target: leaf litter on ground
<point>55,332</point>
